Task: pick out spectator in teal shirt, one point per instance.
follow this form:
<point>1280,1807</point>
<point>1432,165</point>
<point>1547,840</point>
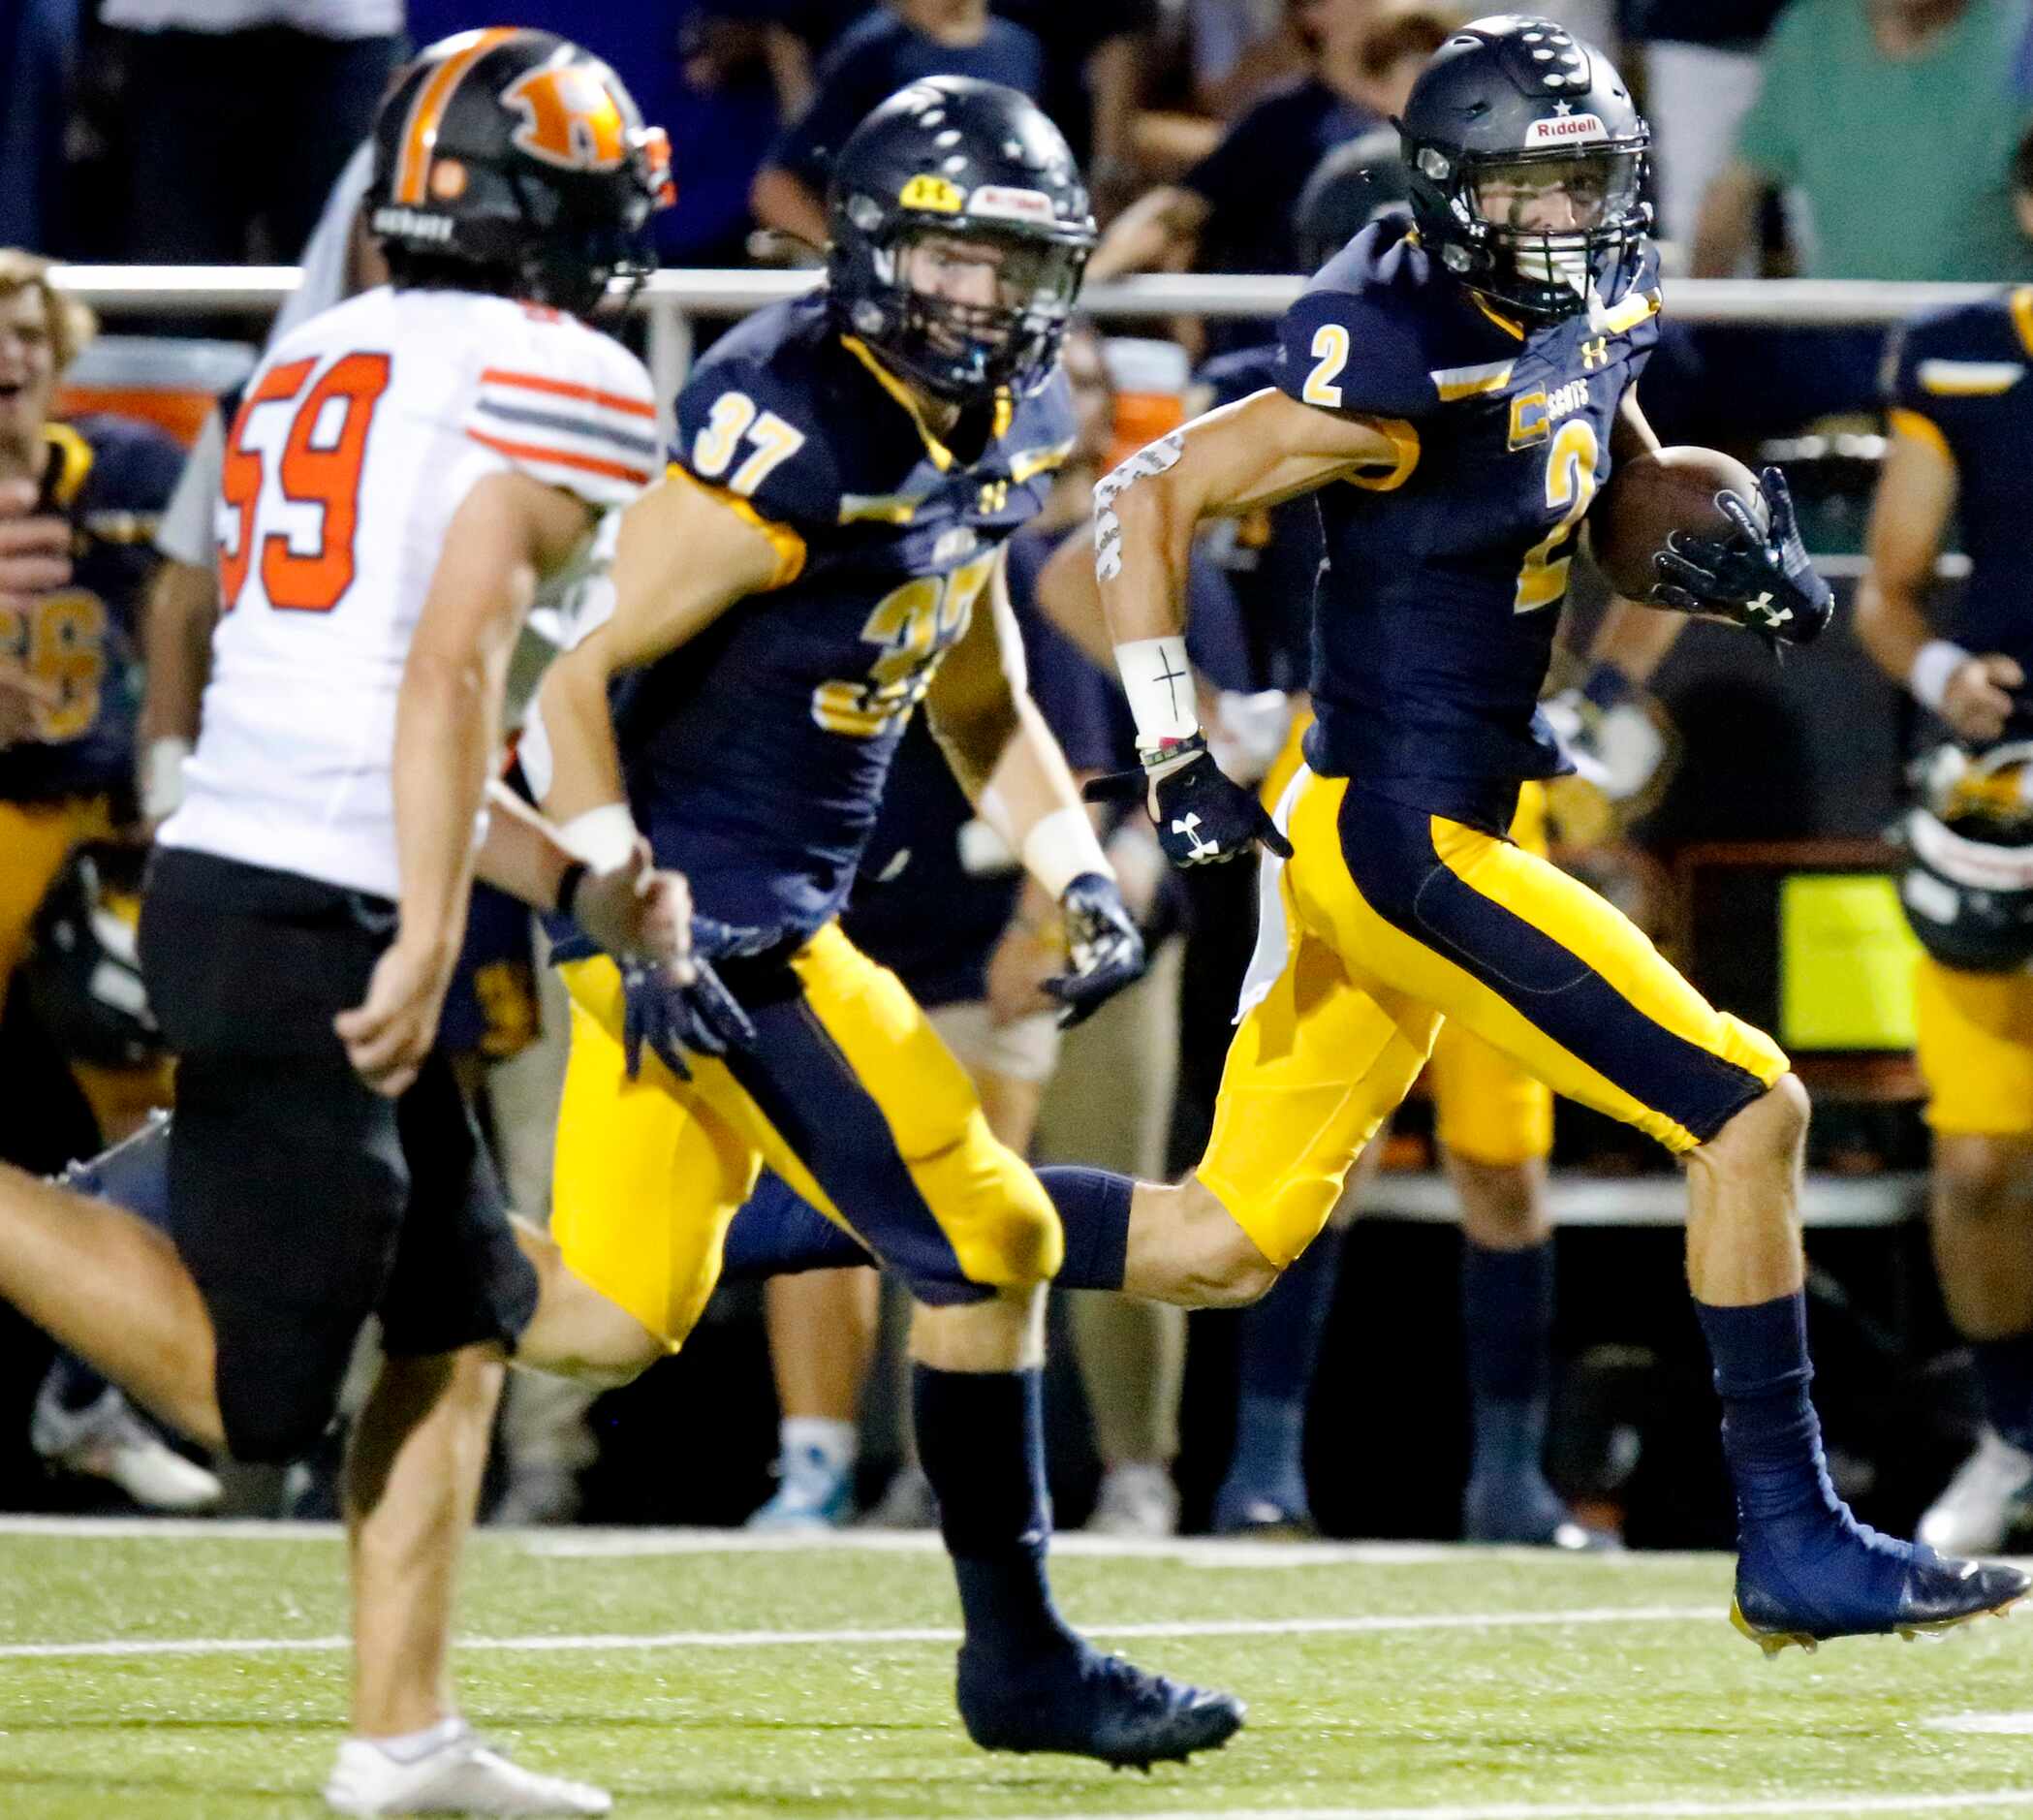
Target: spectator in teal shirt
<point>1893,122</point>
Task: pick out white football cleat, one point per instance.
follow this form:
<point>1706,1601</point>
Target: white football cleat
<point>107,1440</point>
<point>461,1775</point>
<point>1983,1503</point>
<point>1136,1499</point>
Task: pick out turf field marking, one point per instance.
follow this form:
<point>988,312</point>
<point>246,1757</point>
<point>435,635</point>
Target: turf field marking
<point>1194,1550</point>
<point>927,1634</point>
<point>1830,1804</point>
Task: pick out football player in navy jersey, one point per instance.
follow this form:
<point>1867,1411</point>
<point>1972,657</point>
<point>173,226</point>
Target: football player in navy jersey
<point>1494,1121</point>
<point>822,557</point>
<point>1464,381</point>
<point>1962,451</point>
<point>71,645</point>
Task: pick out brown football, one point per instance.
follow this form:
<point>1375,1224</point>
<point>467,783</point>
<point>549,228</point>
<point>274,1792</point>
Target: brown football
<point>1648,496</point>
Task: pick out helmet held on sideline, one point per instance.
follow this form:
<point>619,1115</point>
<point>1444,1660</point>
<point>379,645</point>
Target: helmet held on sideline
<point>83,976</point>
<point>1968,889</point>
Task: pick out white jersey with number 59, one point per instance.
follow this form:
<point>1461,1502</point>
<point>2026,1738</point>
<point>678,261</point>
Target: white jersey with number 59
<point>356,440</point>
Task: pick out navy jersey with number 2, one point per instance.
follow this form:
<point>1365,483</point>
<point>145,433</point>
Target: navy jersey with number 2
<point>1437,608</point>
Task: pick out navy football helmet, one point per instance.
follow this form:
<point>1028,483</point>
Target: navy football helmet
<point>1510,107</point>
<point>952,159</point>
<point>1349,188</point>
<point>512,160</point>
<point>1968,889</point>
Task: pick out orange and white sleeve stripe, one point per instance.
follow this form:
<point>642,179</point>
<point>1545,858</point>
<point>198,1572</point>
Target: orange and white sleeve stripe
<point>599,443</point>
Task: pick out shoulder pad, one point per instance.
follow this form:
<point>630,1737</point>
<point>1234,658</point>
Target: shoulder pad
<point>1232,376</point>
<point>567,404</point>
<point>754,419</point>
<point>1971,351</point>
<point>136,465</point>
<point>1353,351</point>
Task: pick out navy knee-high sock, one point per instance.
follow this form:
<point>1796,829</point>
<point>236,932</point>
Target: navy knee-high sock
<point>1277,1354</point>
<point>980,1440</point>
<point>1771,1434</point>
<point>1094,1211</point>
<point>1507,1326</point>
<point>2005,1372</point>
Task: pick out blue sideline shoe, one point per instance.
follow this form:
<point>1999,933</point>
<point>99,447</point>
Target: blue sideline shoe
<point>1083,1704</point>
<point>1852,1581</point>
<point>812,1497</point>
<point>1527,1512</point>
<point>1263,1515</point>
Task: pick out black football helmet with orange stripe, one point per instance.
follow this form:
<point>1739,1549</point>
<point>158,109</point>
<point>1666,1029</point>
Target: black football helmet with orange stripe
<point>514,160</point>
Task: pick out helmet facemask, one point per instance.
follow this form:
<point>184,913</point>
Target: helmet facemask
<point>976,310</point>
<point>1548,233</point>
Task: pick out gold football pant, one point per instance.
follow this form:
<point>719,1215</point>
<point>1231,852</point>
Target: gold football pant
<point>847,1094</point>
<point>1976,1049</point>
<point>1389,920</point>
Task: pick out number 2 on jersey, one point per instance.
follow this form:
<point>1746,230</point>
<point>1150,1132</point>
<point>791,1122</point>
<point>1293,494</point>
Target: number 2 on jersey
<point>1570,482</point>
<point>321,465</point>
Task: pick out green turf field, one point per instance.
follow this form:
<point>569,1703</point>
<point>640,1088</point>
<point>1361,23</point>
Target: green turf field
<point>697,1676</point>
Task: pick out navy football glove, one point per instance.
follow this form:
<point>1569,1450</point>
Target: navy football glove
<point>701,1019</point>
<point>1103,943</point>
<point>1202,817</point>
<point>1761,578</point>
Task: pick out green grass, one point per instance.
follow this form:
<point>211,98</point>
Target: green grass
<point>1566,1717</point>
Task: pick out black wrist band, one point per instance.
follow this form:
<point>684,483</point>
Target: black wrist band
<point>568,882</point>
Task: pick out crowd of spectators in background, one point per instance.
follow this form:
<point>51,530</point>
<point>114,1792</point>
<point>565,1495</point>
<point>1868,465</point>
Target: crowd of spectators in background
<point>1862,138</point>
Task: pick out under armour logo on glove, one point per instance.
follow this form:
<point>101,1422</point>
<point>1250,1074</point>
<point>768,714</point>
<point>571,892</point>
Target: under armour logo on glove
<point>1761,578</point>
<point>1187,825</point>
<point>1202,817</point>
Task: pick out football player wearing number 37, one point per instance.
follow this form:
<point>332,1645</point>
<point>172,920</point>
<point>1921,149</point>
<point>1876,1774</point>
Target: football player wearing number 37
<point>1465,386</point>
<point>824,556</point>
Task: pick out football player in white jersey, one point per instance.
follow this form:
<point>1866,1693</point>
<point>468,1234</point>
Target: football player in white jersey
<point>406,472</point>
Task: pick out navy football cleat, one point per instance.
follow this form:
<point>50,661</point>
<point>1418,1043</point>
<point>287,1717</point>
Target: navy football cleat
<point>1861,1584</point>
<point>1083,1704</point>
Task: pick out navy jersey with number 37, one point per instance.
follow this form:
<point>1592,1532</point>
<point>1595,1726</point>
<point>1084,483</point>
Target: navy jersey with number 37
<point>755,754</point>
<point>1436,608</point>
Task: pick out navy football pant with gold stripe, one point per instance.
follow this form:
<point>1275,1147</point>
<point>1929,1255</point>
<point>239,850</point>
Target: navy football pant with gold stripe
<point>1388,919</point>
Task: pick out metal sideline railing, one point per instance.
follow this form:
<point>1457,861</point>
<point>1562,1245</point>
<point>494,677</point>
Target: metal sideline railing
<point>671,300</point>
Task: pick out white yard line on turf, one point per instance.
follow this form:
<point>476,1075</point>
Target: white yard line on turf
<point>593,1544</point>
<point>768,1639</point>
<point>1777,1806</point>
